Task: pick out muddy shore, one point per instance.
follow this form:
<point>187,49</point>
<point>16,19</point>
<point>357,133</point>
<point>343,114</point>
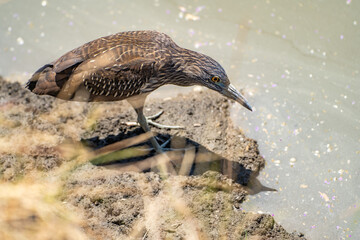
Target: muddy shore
<point>194,192</point>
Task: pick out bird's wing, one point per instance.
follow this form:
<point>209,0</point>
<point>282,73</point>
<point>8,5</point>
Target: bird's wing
<point>116,72</point>
<point>51,78</point>
<point>121,80</point>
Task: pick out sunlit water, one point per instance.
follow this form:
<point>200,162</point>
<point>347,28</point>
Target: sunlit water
<point>298,62</point>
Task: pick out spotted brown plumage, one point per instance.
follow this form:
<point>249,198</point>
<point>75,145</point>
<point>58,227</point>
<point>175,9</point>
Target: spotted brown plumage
<point>129,65</point>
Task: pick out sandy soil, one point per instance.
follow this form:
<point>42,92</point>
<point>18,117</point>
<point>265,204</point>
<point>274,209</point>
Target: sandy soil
<point>118,188</point>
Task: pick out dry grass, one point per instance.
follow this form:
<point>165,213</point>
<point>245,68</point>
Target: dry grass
<point>25,140</point>
<point>30,210</point>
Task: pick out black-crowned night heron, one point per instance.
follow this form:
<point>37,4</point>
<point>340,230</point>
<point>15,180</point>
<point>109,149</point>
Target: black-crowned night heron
<point>129,65</point>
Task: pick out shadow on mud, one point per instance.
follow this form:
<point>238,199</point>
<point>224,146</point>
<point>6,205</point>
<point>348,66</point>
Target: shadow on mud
<point>182,156</point>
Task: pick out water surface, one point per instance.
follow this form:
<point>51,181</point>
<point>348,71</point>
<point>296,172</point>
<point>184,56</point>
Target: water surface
<point>297,61</point>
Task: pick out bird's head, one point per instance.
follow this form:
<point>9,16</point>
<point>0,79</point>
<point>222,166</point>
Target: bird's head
<point>207,72</point>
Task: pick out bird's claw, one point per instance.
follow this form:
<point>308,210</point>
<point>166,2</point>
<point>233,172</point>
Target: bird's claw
<point>155,115</point>
<point>165,143</point>
<point>158,125</point>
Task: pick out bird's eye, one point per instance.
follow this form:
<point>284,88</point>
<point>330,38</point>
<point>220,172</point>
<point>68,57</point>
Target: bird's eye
<point>215,79</point>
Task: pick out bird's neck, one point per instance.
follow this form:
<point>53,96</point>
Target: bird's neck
<point>187,66</point>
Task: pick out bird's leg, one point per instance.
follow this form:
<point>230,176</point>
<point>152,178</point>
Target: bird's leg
<point>163,167</point>
<point>158,125</point>
<point>138,104</point>
<point>144,124</point>
<point>143,121</point>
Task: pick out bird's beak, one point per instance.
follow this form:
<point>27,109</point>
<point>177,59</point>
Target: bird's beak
<point>234,94</point>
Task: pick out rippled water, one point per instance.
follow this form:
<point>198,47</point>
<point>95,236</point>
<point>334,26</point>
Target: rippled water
<point>298,63</point>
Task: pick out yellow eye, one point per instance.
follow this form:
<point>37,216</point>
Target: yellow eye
<point>215,79</point>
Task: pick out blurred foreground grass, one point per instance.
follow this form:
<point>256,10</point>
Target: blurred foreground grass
<point>30,210</point>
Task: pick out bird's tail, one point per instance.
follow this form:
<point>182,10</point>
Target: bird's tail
<point>43,81</point>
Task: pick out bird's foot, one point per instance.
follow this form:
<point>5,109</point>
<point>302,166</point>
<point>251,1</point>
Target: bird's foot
<point>158,125</point>
<point>166,143</point>
<point>161,145</point>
